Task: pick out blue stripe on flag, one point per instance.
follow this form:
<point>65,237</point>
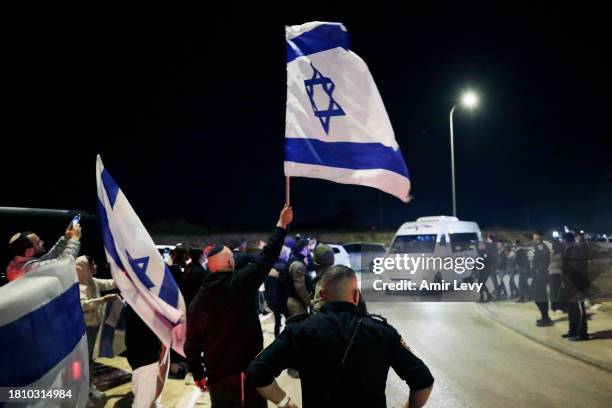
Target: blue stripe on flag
<point>169,291</point>
<point>322,38</point>
<point>347,155</point>
<point>109,242</point>
<point>106,341</point>
<point>35,343</point>
<point>111,187</point>
<point>107,335</point>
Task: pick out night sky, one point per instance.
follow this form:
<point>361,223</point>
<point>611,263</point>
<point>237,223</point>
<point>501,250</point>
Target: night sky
<point>186,107</point>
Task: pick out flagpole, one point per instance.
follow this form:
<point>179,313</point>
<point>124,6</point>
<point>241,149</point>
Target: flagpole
<point>287,190</point>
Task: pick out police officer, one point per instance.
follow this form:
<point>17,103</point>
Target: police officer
<point>223,325</point>
<point>541,262</point>
<point>576,282</point>
<point>343,356</point>
<point>521,264</point>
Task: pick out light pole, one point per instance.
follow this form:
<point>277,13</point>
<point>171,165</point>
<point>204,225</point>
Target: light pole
<point>469,100</point>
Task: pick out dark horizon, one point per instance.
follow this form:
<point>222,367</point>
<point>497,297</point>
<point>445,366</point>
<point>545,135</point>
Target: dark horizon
<point>188,115</point>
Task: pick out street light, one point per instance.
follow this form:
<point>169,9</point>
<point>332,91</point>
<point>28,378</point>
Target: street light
<point>469,100</point>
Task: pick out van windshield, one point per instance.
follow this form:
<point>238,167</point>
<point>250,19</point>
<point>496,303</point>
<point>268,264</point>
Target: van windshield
<point>423,243</point>
<point>463,241</point>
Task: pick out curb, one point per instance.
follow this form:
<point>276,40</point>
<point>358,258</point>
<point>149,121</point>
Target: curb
<point>585,358</point>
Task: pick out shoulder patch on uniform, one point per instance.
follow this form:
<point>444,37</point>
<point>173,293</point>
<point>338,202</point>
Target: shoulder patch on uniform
<point>404,345</point>
<point>297,318</point>
<point>377,317</point>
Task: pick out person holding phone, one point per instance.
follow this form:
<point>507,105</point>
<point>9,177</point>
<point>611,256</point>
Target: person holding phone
<point>29,250</point>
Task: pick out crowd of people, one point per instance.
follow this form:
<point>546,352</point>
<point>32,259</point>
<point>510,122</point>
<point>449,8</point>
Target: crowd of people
<point>554,275</point>
<point>321,304</point>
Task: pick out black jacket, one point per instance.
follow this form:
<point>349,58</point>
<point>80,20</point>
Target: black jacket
<point>222,321</point>
<point>315,347</point>
<point>143,346</point>
<point>192,281</point>
<point>575,269</point>
<point>276,291</point>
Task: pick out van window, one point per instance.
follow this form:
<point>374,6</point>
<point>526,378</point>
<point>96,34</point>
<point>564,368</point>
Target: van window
<point>350,248</point>
<point>463,241</point>
<point>424,243</point>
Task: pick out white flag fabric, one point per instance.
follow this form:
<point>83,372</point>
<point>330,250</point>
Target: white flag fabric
<point>43,343</point>
<point>142,276</point>
<point>337,127</point>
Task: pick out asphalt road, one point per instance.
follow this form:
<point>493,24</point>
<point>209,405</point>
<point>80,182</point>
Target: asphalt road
<point>479,363</point>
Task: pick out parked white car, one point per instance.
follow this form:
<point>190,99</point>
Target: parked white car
<point>341,257</point>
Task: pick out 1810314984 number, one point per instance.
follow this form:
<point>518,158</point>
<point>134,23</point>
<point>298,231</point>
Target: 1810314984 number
<point>25,393</point>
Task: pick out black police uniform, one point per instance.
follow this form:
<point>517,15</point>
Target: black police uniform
<point>541,262</point>
<point>521,264</point>
<point>222,323</point>
<point>575,286</point>
<point>315,346</point>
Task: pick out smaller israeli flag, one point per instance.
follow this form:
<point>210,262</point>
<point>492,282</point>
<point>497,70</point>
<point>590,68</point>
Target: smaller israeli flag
<point>336,125</point>
<point>142,276</point>
<point>43,345</point>
<point>112,331</point>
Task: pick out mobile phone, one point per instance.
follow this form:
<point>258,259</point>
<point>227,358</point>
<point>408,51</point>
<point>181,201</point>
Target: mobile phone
<point>75,220</point>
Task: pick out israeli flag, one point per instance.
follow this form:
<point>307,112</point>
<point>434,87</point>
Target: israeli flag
<point>337,127</point>
<point>43,345</point>
<point>112,331</point>
<point>142,276</point>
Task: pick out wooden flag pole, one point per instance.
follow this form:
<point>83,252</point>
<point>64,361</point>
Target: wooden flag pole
<point>287,190</point>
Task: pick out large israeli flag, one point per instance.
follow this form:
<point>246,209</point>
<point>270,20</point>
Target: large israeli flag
<point>43,345</point>
<point>337,127</point>
<point>139,271</point>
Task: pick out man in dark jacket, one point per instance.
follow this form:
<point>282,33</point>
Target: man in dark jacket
<point>276,290</point>
<point>343,356</point>
<point>222,322</point>
<point>194,276</point>
<point>521,264</point>
<point>576,282</point>
<point>541,262</point>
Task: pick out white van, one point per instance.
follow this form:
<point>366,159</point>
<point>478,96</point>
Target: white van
<point>435,236</point>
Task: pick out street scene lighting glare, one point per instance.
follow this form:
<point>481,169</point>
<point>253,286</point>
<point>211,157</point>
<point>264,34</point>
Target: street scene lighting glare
<point>555,234</point>
<point>470,99</point>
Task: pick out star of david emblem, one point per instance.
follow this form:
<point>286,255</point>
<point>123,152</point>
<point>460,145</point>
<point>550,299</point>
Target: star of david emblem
<point>328,86</point>
<point>139,266</point>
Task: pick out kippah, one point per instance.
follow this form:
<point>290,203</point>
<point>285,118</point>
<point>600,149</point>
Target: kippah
<point>213,250</point>
<point>19,243</point>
